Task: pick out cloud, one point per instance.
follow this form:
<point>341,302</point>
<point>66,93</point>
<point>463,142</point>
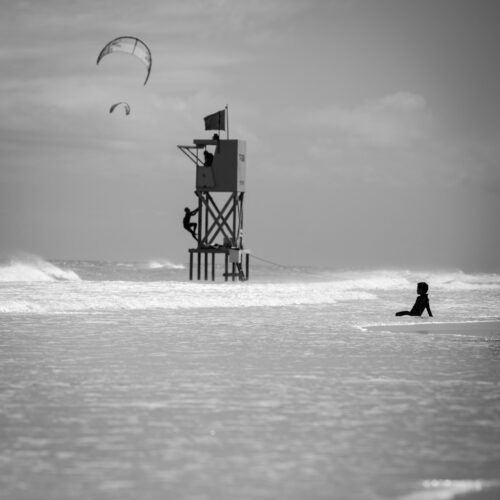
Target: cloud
<point>392,121</point>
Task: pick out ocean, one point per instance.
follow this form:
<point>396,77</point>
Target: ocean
<point>124,380</point>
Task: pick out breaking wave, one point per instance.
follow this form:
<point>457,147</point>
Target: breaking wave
<point>33,268</point>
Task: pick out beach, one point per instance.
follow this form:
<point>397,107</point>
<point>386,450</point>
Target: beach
<point>125,380</point>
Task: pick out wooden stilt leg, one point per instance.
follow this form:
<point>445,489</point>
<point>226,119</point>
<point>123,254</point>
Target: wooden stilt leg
<point>191,266</point>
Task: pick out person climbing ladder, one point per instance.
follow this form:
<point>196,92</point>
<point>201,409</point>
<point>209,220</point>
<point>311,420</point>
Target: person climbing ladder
<point>186,222</point>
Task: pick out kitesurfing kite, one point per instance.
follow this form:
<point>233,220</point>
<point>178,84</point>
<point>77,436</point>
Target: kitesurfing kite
<point>130,45</point>
<point>125,106</point>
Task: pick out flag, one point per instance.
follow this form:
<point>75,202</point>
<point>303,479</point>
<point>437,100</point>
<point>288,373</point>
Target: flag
<point>216,121</point>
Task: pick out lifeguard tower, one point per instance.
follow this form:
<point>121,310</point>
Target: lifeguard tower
<point>220,166</point>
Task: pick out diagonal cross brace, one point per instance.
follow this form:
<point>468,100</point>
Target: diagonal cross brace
<point>220,219</point>
<point>188,151</point>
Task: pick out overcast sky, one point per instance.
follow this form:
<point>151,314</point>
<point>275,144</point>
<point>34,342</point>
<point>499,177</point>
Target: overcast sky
<point>372,128</point>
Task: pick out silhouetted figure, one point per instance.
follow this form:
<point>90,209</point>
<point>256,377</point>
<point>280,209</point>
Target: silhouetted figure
<point>421,304</point>
<point>186,222</point>
<point>209,158</point>
<point>216,137</point>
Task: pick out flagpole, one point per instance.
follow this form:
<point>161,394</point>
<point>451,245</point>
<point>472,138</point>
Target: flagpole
<point>227,121</point>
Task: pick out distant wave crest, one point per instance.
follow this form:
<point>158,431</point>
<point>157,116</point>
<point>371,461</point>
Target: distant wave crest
<point>163,264</point>
<point>402,280</point>
<point>32,268</point>
<point>459,280</point>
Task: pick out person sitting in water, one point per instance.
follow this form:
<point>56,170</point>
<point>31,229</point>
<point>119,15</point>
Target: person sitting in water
<point>421,304</point>
<point>186,222</point>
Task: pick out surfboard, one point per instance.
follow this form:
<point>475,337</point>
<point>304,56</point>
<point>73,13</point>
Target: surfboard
<point>468,328</point>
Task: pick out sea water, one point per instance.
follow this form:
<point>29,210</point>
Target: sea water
<point>128,381</point>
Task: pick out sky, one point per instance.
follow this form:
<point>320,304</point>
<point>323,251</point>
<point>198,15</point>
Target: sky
<point>372,128</point>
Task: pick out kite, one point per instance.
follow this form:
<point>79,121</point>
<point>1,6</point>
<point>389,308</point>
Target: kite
<point>125,105</point>
<point>130,45</point>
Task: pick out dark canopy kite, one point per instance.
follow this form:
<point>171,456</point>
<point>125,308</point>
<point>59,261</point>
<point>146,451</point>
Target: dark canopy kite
<point>129,45</point>
<point>125,105</point>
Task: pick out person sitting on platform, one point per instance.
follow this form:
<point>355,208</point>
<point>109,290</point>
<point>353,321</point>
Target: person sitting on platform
<point>209,158</point>
<point>216,137</point>
<point>421,304</point>
<point>186,222</point>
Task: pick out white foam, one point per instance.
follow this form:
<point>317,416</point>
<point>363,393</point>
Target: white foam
<point>37,286</point>
<point>124,295</point>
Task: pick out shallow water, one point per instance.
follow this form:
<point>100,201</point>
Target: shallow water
<point>251,402</point>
